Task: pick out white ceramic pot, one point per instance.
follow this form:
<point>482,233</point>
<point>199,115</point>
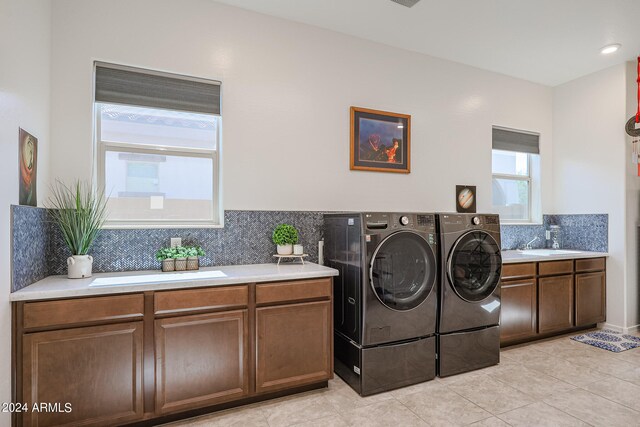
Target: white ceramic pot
<point>285,249</point>
<point>298,249</point>
<point>79,266</point>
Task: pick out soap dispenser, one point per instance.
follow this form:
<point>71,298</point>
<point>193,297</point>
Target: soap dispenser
<point>553,234</point>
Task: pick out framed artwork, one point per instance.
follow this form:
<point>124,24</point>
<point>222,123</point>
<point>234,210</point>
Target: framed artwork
<point>466,198</point>
<point>380,141</point>
<point>28,162</point>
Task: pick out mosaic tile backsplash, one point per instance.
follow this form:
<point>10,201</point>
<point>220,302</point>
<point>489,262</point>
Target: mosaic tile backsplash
<point>589,232</point>
<point>39,250</point>
<point>30,238</point>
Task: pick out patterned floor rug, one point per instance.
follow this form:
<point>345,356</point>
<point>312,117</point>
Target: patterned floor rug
<point>609,340</point>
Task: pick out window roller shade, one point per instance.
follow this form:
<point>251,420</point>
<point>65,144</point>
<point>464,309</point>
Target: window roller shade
<point>120,85</point>
<point>509,140</point>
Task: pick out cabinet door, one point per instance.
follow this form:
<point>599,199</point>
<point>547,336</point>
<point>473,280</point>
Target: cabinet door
<point>555,303</point>
<point>97,370</point>
<point>590,298</point>
<point>518,311</point>
<point>294,345</point>
<point>201,360</point>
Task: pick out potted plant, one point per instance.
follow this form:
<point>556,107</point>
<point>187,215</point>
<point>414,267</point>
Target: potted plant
<point>80,213</point>
<point>165,256</point>
<point>193,260</point>
<point>285,236</point>
<point>180,254</point>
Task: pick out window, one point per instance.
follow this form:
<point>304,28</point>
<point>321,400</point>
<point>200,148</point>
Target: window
<point>158,148</point>
<point>516,170</point>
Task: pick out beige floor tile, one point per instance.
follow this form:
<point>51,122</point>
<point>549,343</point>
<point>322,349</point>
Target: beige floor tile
<point>439,406</point>
<point>540,414</point>
<point>605,363</point>
<point>384,414</point>
<point>594,409</point>
<point>619,391</point>
<point>332,421</point>
<point>461,378</point>
<point>633,376</point>
<point>490,422</point>
<point>237,417</point>
<point>491,394</point>
<point>424,386</point>
<point>571,373</point>
<point>345,399</point>
<point>523,354</point>
<point>631,356</point>
<point>533,383</point>
<point>297,409</point>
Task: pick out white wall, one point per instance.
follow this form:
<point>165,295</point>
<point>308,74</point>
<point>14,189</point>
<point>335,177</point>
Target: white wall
<point>589,165</point>
<point>632,201</point>
<point>24,102</point>
<point>287,89</point>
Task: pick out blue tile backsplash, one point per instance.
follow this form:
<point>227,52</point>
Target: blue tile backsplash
<point>588,232</point>
<point>39,250</point>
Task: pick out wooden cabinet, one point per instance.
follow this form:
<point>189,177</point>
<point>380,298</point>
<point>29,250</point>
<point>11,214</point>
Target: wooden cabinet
<point>294,345</point>
<point>137,357</point>
<point>555,303</point>
<point>201,360</point>
<point>551,297</point>
<point>519,309</point>
<point>590,298</point>
<point>98,370</point>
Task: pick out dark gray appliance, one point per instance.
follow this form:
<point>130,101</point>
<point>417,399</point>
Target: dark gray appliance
<point>469,311</point>
<point>385,298</point>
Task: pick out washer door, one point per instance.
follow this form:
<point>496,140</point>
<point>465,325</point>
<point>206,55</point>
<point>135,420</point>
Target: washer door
<point>474,266</point>
<point>402,271</point>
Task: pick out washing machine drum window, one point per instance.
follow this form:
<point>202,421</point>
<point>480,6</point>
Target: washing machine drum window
<point>403,271</point>
<point>474,266</point>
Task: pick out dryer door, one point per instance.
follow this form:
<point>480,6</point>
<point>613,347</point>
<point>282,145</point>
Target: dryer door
<point>403,271</point>
<point>474,266</point>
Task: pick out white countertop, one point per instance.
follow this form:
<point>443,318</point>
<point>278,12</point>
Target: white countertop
<point>140,281</point>
<point>515,256</point>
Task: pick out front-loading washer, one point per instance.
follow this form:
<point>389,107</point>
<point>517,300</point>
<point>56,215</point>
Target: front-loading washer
<point>385,297</point>
<point>469,310</point>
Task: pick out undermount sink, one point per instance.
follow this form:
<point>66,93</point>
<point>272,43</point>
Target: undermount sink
<point>141,279</point>
<point>547,252</point>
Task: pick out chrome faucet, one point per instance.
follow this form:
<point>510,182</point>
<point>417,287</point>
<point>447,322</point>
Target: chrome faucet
<point>529,243</point>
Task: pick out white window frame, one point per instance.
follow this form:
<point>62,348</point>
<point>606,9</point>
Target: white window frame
<point>102,146</point>
<point>514,177</point>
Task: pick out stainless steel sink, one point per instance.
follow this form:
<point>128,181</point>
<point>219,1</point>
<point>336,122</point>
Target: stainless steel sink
<point>547,252</point>
<point>141,279</point>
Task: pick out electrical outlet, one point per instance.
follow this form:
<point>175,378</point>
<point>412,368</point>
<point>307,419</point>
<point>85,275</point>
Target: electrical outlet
<point>176,241</point>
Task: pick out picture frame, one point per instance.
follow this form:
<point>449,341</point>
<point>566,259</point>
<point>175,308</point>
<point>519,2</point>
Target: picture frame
<point>28,167</point>
<point>466,198</point>
<point>380,141</point>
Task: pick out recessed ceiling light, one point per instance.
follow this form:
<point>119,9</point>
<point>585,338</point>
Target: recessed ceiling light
<point>610,48</point>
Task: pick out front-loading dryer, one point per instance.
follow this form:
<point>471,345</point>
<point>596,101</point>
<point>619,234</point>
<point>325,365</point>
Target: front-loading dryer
<point>385,298</point>
<point>469,310</point>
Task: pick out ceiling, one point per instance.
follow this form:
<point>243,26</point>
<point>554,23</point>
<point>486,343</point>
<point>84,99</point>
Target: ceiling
<point>544,41</point>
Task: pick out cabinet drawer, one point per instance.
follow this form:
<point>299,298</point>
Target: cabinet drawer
<point>169,302</point>
<point>83,310</point>
<point>300,290</point>
<point>515,271</point>
<point>549,268</point>
<point>589,264</point>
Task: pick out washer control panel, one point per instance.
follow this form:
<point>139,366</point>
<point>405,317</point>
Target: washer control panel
<point>404,220</point>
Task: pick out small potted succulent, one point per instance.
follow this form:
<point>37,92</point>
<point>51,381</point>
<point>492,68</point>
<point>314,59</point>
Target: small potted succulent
<point>285,236</point>
<point>165,256</point>
<point>180,258</point>
<point>193,260</point>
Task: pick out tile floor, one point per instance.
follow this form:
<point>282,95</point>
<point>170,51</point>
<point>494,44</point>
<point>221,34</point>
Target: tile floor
<point>557,382</point>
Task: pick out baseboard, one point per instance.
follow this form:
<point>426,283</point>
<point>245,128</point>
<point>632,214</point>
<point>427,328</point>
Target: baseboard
<point>611,326</point>
<point>617,328</point>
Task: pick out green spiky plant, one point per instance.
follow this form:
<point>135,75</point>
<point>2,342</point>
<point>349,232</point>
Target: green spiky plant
<point>79,212</point>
